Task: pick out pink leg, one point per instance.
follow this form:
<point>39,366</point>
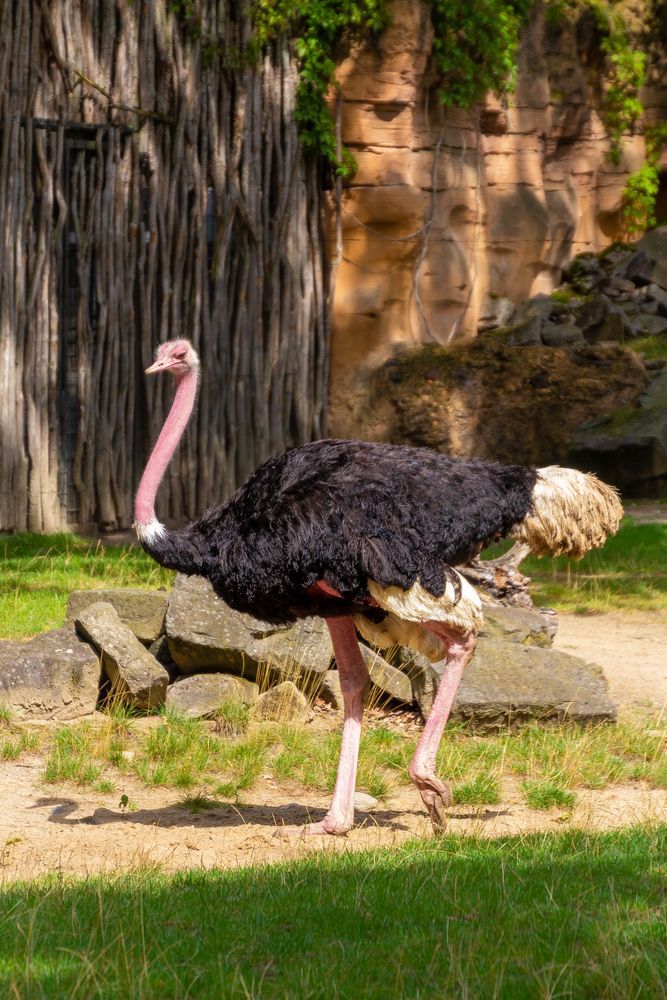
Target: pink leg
<point>434,792</point>
<point>354,684</point>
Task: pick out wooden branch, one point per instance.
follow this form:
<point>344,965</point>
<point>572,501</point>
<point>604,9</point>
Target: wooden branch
<point>501,577</point>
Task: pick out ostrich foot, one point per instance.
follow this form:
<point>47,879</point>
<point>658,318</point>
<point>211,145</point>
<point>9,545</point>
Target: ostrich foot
<point>436,796</point>
<point>330,826</point>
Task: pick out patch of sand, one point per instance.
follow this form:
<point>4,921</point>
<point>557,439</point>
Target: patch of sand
<point>631,649</point>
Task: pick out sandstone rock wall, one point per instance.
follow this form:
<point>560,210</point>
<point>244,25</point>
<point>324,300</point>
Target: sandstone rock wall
<point>449,211</point>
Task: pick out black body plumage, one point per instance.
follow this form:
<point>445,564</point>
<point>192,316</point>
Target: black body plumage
<point>344,512</point>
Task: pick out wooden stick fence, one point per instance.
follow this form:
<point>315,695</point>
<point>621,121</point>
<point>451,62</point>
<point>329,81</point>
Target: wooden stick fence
<point>152,186</point>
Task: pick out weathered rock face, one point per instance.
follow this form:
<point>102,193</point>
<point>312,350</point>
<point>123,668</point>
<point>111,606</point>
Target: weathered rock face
<point>54,676</point>
<point>450,212</point>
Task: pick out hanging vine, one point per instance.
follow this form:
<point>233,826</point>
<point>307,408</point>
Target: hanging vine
<point>475,47</point>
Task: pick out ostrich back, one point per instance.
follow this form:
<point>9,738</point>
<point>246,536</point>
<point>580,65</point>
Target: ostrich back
<point>344,512</point>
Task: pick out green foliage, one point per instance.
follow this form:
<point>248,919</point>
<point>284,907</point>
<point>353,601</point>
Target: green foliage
<point>475,47</point>
<point>319,28</point>
<point>641,188</point>
<point>626,74</point>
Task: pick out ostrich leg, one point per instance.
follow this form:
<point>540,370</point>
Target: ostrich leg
<point>353,684</point>
<point>435,793</point>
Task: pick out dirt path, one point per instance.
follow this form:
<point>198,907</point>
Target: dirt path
<point>631,649</point>
<point>68,829</point>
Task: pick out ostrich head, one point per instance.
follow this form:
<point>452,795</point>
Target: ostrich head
<point>180,358</point>
<point>176,356</point>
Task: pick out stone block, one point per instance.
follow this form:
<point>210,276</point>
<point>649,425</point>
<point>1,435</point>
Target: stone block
<point>53,676</point>
<point>143,611</point>
<point>510,684</point>
<point>204,632</point>
<point>137,678</point>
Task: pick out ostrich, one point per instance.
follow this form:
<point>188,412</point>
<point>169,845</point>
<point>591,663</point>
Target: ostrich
<point>367,535</point>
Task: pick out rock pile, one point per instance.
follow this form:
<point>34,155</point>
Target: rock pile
<point>611,298</point>
<point>200,654</point>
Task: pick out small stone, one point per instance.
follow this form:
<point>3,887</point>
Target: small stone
<point>201,695</point>
<point>364,802</point>
<point>282,703</point>
<point>330,691</point>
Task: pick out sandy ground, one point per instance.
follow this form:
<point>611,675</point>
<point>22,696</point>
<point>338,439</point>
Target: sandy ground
<point>630,648</point>
<point>68,829</point>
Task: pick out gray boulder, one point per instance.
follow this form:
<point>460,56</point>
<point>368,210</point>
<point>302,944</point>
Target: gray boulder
<point>204,632</point>
<point>656,392</point>
<point>509,684</point>
<point>527,333</point>
<point>657,292</point>
<point>282,703</point>
<point>386,681</point>
<point>627,448</point>
<point>654,243</point>
<point>560,334</point>
<point>143,611</point>
<point>53,676</point>
<point>659,274</point>
<point>201,695</point>
<point>650,324</point>
<point>585,273</point>
<point>137,679</point>
<point>525,625</point>
<point>637,268</point>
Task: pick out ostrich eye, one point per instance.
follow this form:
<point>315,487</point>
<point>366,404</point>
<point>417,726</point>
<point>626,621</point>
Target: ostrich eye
<point>180,354</point>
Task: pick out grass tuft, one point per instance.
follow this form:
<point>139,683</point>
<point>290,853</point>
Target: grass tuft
<point>482,790</point>
<point>546,794</point>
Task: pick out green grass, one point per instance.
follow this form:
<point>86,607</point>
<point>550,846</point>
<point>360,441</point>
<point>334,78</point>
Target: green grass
<point>186,754</point>
<point>629,573</point>
<point>567,915</point>
<point>649,346</point>
<point>546,794</point>
<point>37,572</point>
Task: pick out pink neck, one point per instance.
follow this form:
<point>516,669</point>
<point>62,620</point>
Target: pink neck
<point>170,435</point>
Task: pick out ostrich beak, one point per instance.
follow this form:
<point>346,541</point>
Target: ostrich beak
<point>157,366</point>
